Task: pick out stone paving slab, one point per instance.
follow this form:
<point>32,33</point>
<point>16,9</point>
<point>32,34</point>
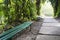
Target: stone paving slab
<point>51,24</point>
<point>50,30</point>
<point>50,20</point>
<point>46,37</point>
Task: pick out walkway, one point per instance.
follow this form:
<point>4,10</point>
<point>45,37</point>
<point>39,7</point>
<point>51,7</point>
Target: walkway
<point>30,35</point>
<point>50,30</point>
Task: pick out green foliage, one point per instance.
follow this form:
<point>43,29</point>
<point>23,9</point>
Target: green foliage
<point>38,6</point>
<point>43,1</point>
<point>17,11</point>
<point>55,6</point>
<point>1,28</point>
<point>58,9</point>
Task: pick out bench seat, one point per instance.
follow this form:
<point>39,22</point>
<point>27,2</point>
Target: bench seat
<point>10,33</point>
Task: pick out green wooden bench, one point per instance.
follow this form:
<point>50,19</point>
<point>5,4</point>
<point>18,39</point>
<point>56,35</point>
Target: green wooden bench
<point>10,33</point>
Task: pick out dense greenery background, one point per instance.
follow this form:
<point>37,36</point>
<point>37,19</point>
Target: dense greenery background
<point>12,11</point>
<point>56,6</point>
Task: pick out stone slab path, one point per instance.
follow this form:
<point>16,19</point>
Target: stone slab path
<point>50,20</point>
<point>50,30</point>
<point>46,37</point>
<point>51,24</point>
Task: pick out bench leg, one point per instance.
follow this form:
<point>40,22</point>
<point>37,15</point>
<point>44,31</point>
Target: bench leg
<point>30,27</point>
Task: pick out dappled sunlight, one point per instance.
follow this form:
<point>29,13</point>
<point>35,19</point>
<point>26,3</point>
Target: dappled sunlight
<point>47,9</point>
